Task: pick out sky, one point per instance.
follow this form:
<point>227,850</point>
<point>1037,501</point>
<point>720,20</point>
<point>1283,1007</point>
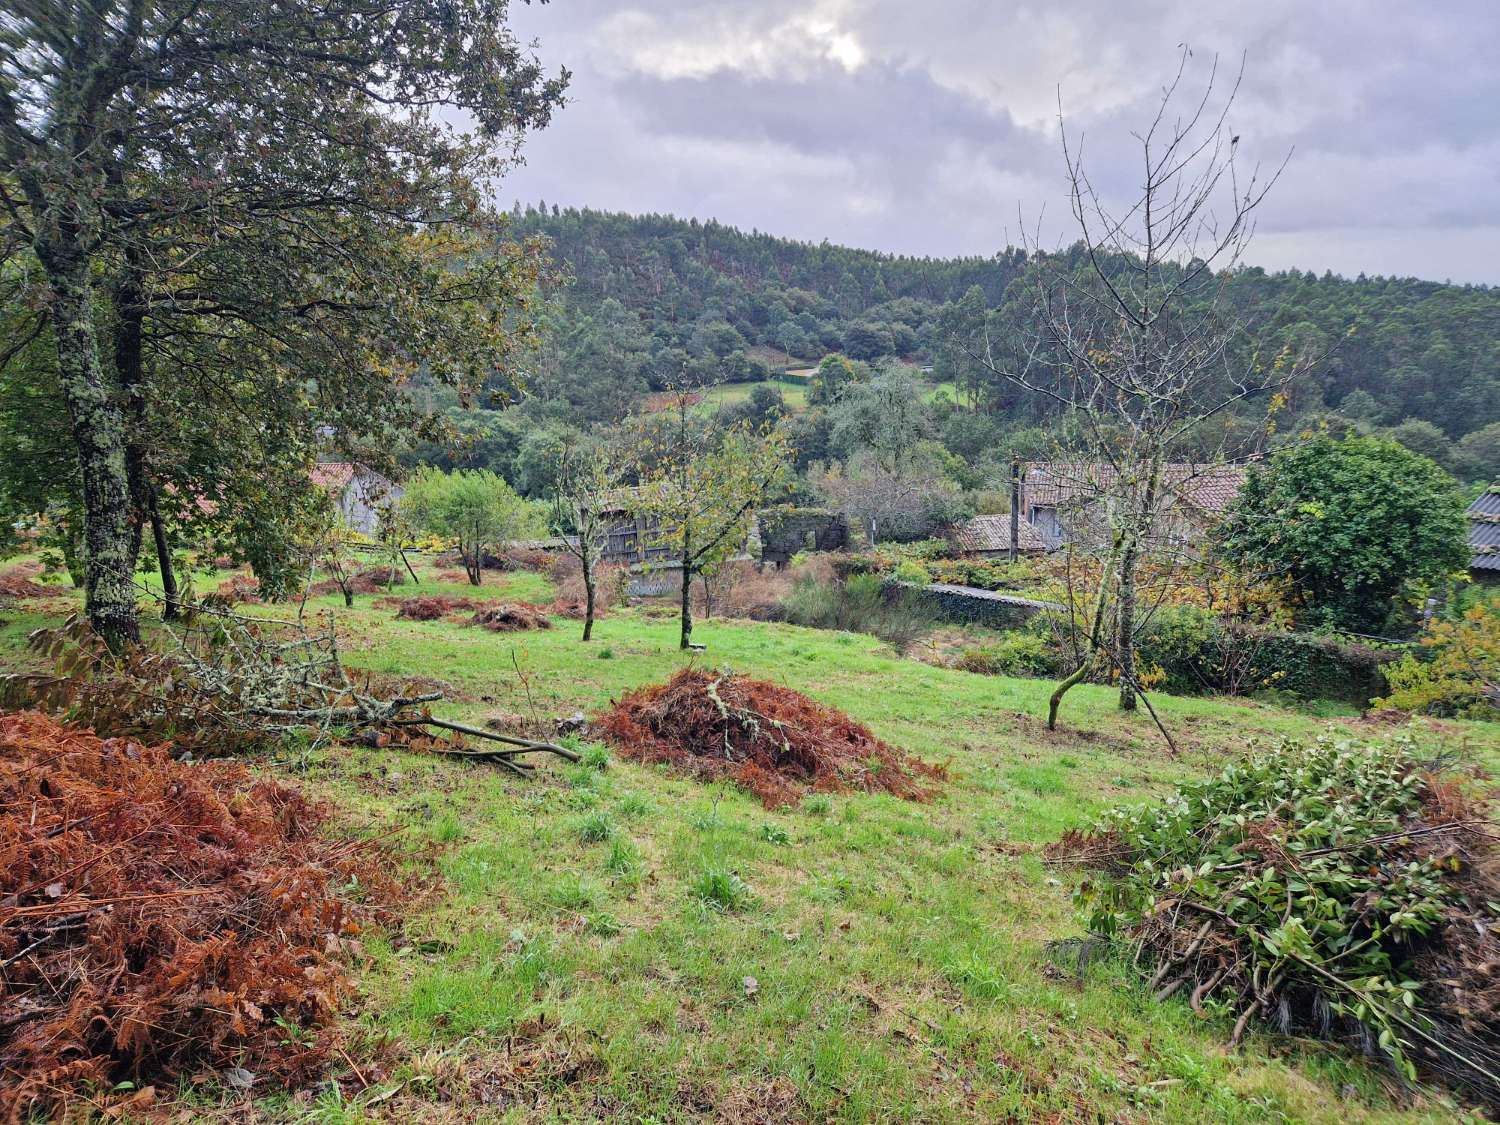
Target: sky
<point>930,127</point>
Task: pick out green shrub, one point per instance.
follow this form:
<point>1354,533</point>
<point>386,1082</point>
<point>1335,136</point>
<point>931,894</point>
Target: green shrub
<point>1186,650</point>
<point>1320,886</point>
<point>862,603</point>
<point>1458,673</point>
<point>1016,653</point>
<point>909,570</point>
<point>1183,641</point>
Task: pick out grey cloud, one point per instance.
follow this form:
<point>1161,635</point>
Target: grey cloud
<point>925,128</point>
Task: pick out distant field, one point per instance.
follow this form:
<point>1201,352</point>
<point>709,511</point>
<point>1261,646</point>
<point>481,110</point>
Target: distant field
<point>727,394</point>
<point>796,396</point>
<point>568,971</point>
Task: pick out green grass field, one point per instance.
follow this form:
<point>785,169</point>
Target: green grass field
<point>728,394</point>
<point>610,941</point>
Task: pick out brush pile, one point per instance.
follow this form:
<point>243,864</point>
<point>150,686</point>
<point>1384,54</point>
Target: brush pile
<point>18,583</point>
<point>370,580</point>
<point>161,920</point>
<point>514,617</point>
<point>432,607</point>
<point>239,589</point>
<point>772,741</point>
<point>1340,890</point>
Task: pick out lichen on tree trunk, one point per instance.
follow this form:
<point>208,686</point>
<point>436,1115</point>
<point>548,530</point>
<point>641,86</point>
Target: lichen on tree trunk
<point>99,432</point>
<point>588,599</point>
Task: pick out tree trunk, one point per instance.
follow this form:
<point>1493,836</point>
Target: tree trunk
<point>1125,625</point>
<point>1141,524</point>
<point>99,432</point>
<point>588,598</point>
<point>1096,629</point>
<point>687,607</point>
<point>163,559</point>
<point>473,562</point>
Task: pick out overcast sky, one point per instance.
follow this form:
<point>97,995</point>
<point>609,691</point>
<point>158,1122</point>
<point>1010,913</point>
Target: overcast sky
<point>926,126</point>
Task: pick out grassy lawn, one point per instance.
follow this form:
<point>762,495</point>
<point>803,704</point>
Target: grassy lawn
<point>611,941</point>
<point>728,394</point>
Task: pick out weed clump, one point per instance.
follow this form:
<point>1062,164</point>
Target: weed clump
<point>162,920</point>
<point>772,741</point>
<point>515,617</point>
<point>1338,889</point>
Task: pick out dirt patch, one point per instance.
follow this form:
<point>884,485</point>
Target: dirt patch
<point>162,920</point>
<point>1385,717</point>
<point>771,740</point>
<point>514,617</point>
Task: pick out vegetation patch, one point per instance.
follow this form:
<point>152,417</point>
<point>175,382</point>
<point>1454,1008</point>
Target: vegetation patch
<point>161,920</point>
<point>773,741</point>
<point>1338,889</point>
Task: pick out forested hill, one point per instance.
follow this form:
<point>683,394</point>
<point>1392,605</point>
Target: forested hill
<point>649,295</point>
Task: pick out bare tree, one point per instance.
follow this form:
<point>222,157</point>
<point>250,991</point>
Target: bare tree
<point>586,478</point>
<point>1132,335</point>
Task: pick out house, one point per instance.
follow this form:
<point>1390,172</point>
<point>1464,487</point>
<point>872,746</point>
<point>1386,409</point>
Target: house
<point>1058,497</point>
<point>988,537</point>
<point>1484,536</point>
<point>360,492</point>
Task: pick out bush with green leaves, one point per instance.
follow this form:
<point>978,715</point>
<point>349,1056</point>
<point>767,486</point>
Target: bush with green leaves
<point>474,507</point>
<point>1458,673</point>
<point>864,603</point>
<point>1353,523</point>
<point>1016,653</point>
<point>1335,888</point>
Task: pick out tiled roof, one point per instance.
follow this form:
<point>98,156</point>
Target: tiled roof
<point>334,474</point>
<point>1484,530</point>
<point>992,533</point>
<point>1207,488</point>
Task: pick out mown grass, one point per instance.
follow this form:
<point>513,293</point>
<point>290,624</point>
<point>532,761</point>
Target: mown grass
<point>613,941</point>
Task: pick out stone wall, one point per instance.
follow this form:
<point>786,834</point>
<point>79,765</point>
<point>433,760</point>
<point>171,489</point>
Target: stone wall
<point>786,531</point>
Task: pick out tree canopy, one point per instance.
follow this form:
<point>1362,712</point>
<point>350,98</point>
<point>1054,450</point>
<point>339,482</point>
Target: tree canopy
<point>242,230</point>
<point>1352,522</point>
